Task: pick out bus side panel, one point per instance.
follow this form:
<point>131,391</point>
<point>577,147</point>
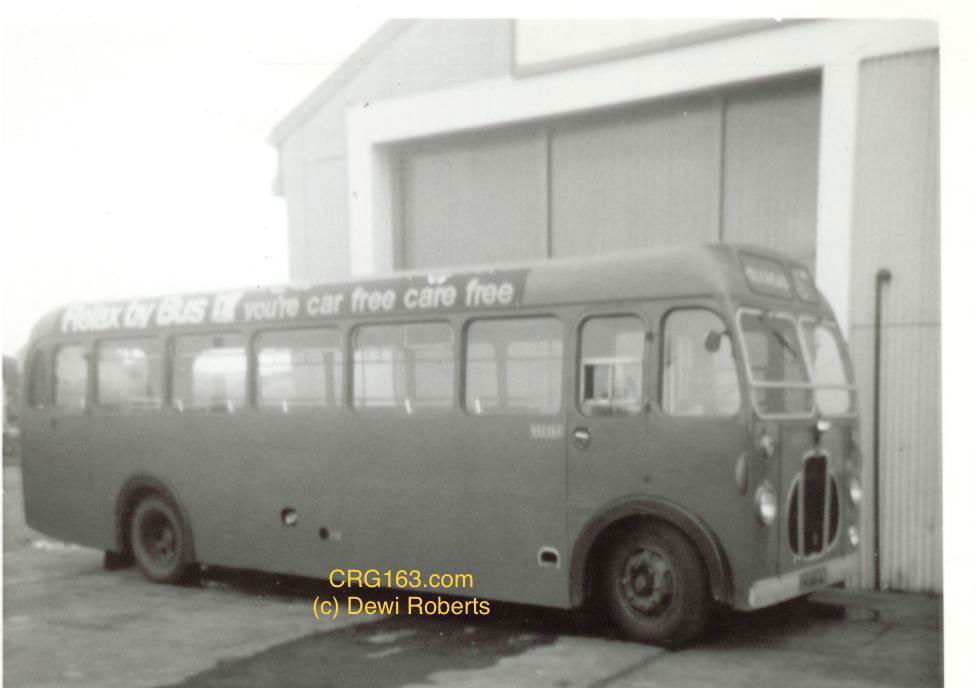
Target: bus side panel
<point>40,505</point>
<point>124,445</point>
<point>198,456</point>
<point>436,493</point>
<point>292,463</point>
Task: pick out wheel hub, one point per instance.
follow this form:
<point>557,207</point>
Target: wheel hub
<point>647,582</point>
<point>159,538</point>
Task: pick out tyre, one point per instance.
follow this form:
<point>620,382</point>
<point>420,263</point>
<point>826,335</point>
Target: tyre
<point>655,586</point>
<point>160,541</point>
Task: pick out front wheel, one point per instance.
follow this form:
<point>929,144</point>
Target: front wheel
<point>655,586</point>
<point>160,541</point>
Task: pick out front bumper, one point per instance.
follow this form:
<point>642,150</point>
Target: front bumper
<point>768,591</point>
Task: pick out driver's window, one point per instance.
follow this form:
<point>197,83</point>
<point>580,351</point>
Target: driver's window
<point>699,376</point>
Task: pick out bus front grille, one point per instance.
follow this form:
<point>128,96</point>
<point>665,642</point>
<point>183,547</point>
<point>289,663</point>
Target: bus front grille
<point>813,508</point>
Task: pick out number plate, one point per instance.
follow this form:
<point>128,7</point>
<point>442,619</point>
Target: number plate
<point>814,578</point>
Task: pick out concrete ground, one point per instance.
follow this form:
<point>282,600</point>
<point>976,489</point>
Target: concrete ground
<point>68,622</point>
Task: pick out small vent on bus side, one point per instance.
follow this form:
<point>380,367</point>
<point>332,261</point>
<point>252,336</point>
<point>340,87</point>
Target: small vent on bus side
<point>813,509</point>
<point>548,556</point>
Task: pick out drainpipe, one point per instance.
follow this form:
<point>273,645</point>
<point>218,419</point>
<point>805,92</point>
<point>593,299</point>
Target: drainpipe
<point>882,277</point>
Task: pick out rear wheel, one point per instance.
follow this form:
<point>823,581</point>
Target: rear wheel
<point>160,541</point>
<point>655,586</point>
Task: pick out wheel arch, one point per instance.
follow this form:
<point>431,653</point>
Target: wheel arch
<point>616,514</point>
<point>136,487</point>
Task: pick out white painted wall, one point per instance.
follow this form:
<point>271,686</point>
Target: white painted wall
<point>542,41</point>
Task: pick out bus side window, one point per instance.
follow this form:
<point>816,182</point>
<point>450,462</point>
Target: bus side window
<point>209,373</point>
<point>612,365</point>
<point>37,384</point>
<point>408,367</point>
<point>699,377</point>
<point>299,369</point>
<point>129,375</point>
<point>431,375</point>
<point>514,366</point>
<point>71,378</point>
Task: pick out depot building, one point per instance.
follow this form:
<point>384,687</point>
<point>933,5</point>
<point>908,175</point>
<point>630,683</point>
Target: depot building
<point>459,142</point>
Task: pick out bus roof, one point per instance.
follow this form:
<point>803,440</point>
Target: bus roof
<point>735,272</point>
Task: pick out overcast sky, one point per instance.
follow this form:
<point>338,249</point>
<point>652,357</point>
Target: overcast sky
<point>134,150</point>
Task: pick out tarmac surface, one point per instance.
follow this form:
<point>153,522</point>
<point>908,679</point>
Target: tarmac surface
<point>69,622</point>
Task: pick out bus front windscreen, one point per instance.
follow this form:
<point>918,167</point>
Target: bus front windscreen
<point>778,372</point>
<point>835,394</point>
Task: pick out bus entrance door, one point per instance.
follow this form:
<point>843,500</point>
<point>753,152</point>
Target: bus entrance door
<point>607,417</point>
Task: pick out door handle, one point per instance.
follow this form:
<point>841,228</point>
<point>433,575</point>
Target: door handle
<point>54,422</point>
<point>581,437</point>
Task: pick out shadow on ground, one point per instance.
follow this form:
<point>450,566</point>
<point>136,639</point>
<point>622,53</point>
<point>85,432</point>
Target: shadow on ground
<point>400,650</point>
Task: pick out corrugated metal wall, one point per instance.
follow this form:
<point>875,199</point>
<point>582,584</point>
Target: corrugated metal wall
<point>896,226</point>
<point>639,178</point>
<point>473,199</point>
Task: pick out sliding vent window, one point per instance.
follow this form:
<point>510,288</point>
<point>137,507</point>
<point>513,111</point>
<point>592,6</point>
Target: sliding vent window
<point>405,367</point>
<point>300,369</point>
<point>514,367</point>
<point>70,378</point>
<point>130,375</point>
<point>209,373</point>
<point>611,366</point>
<point>699,377</point>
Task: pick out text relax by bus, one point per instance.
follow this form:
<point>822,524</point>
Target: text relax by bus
<point>654,433</point>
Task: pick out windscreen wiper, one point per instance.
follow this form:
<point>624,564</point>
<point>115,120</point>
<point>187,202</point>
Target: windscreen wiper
<point>778,335</point>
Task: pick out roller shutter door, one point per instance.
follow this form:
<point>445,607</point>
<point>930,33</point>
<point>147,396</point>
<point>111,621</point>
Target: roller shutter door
<point>473,199</point>
<point>646,177</point>
<point>770,160</point>
<point>736,166</point>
